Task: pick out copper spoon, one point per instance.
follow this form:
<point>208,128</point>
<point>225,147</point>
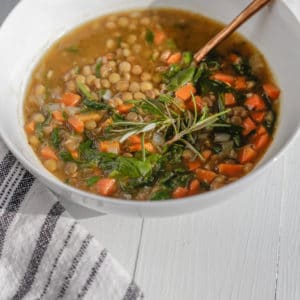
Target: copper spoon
<point>248,12</point>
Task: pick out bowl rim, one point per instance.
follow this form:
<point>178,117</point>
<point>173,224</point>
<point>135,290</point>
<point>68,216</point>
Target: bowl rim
<point>48,177</point>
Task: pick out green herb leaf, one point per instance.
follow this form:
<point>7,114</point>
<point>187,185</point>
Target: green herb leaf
<point>65,115</point>
<point>161,194</point>
<point>187,57</point>
<point>149,37</point>
<point>170,43</point>
<point>217,148</point>
<point>84,90</point>
<point>66,156</point>
<point>181,78</point>
<point>92,181</point>
<point>95,105</point>
<point>72,49</point>
<point>54,138</point>
<point>39,131</point>
<point>97,69</point>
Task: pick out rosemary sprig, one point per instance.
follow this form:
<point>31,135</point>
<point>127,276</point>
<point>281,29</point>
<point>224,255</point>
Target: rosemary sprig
<point>167,119</point>
<point>198,126</point>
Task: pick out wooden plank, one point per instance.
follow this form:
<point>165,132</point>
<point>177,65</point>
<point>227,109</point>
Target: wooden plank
<point>289,254</point>
<point>226,252</point>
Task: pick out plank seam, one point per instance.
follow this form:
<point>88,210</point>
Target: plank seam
<point>279,233</point>
<point>138,249</point>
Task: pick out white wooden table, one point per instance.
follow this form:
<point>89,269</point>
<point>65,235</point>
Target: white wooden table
<point>246,248</point>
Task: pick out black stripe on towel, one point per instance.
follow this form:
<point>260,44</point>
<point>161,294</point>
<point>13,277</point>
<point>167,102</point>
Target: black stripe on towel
<point>74,265</point>
<point>14,205</point>
<point>6,165</point>
<point>41,246</point>
<point>11,184</point>
<point>93,274</point>
<point>133,292</point>
<point>65,244</point>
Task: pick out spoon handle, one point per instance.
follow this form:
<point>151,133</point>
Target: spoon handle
<point>250,10</point>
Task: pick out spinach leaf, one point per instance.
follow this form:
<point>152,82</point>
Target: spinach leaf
<point>242,68</point>
<point>217,148</point>
<point>187,57</point>
<point>172,71</point>
<point>54,138</point>
<point>201,72</point>
<point>92,181</point>
<point>205,86</point>
<point>39,131</point>
<point>84,90</point>
<point>149,36</point>
<point>170,43</point>
<point>66,156</point>
<point>95,105</point>
<point>181,78</point>
<point>161,194</point>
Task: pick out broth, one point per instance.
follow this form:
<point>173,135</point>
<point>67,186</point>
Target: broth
<point>118,107</point>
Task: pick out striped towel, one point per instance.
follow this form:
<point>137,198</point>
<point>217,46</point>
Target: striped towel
<point>44,253</point>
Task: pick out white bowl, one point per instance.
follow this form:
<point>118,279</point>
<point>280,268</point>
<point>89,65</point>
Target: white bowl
<point>34,25</point>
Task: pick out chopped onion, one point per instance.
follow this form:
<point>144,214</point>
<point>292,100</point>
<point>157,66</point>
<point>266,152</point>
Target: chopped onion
<point>72,110</point>
<point>53,107</point>
<point>222,137</point>
<point>107,95</point>
<point>158,140</point>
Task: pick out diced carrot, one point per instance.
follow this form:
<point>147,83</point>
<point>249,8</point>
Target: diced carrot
<point>255,102</point>
<point>234,58</point>
<point>48,153</point>
<point>106,123</point>
<point>58,116</point>
<point>272,91</point>
<point>199,104</point>
<point>30,127</point>
<point>124,108</point>
<point>185,92</point>
<point>206,175</point>
<point>229,99</point>
<point>174,58</point>
<point>240,83</point>
<point>70,99</point>
<point>261,142</point>
<point>106,186</point>
<point>258,116</point>
<point>149,147</point>
<point>76,123</point>
<point>180,192</point>
<point>194,187</point>
<point>109,146</point>
<point>135,139</point>
<point>261,130</point>
<point>159,37</point>
<point>138,147</point>
<point>231,170</point>
<point>75,154</point>
<point>110,56</point>
<point>248,126</point>
<point>206,154</point>
<point>246,154</point>
<point>194,164</point>
<point>224,78</point>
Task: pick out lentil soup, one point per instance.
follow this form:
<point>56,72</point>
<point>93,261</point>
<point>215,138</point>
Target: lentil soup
<point>119,108</point>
